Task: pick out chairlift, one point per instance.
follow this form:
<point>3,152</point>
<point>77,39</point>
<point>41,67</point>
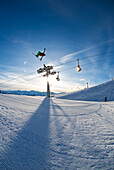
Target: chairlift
<point>46,75</point>
<point>53,72</point>
<point>57,78</point>
<point>40,70</point>
<point>78,67</point>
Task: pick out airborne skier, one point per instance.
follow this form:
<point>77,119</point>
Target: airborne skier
<point>39,53</point>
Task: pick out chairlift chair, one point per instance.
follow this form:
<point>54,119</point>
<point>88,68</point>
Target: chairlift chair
<point>78,68</point>
<point>57,78</point>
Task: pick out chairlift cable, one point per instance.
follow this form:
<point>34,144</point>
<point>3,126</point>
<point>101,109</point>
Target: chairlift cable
<point>17,78</point>
<point>84,58</point>
<point>64,64</point>
<point>97,55</point>
<point>86,64</point>
<point>19,82</point>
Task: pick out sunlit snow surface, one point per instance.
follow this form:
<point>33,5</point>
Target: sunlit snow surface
<point>96,93</point>
<point>39,133</point>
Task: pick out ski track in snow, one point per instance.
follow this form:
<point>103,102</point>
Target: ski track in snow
<point>41,133</point>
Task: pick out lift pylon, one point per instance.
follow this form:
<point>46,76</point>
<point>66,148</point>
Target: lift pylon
<point>47,70</point>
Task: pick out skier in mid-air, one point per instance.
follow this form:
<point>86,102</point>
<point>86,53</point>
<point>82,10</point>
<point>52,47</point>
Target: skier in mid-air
<point>42,54</point>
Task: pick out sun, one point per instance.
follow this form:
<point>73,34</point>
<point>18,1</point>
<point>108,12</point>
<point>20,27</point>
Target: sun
<point>51,79</point>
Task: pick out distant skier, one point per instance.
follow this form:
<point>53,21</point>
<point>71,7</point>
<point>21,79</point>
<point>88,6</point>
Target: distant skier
<point>39,53</point>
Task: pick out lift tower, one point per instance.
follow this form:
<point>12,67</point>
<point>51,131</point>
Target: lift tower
<point>47,70</point>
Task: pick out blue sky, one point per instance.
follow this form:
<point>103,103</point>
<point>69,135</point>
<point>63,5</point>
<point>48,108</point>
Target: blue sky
<point>68,29</point>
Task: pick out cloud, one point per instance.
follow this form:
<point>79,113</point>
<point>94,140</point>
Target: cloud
<point>25,62</point>
<point>6,66</point>
<point>17,81</point>
<point>59,67</point>
<point>69,56</point>
<point>82,80</point>
<point>12,68</point>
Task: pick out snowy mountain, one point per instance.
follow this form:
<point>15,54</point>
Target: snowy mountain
<point>28,93</point>
<point>97,93</point>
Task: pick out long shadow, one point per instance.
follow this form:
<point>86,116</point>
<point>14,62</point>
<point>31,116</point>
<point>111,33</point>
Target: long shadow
<point>62,112</point>
<point>29,151</point>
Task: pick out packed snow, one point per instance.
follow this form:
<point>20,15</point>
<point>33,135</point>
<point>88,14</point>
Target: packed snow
<point>96,93</point>
<point>38,133</point>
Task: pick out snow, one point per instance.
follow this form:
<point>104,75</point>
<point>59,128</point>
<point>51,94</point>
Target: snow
<point>96,93</point>
<point>38,133</point>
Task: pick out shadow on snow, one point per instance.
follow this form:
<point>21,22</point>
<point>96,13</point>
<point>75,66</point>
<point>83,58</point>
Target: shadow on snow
<point>30,149</point>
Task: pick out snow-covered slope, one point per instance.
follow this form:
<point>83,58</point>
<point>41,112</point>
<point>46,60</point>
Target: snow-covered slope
<point>38,133</point>
<point>97,93</point>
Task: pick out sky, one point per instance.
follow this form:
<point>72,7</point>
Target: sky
<point>69,30</point>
